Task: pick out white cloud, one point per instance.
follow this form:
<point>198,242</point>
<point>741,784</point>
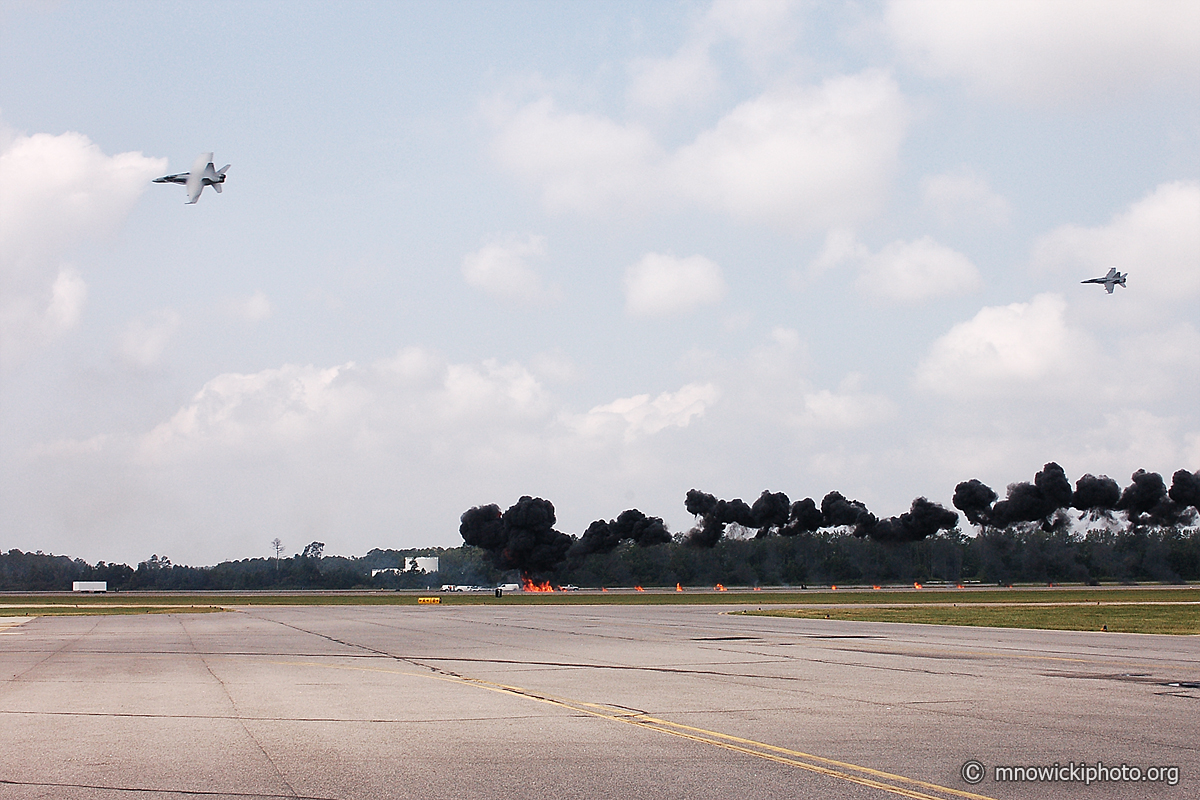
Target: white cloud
<point>909,272</point>
<point>255,308</point>
<point>799,156</point>
<point>1156,240</point>
<point>793,156</point>
<point>1003,350</point>
<point>56,192</point>
<point>963,197</point>
<point>67,296</point>
<point>1031,51</point>
<point>848,408</point>
<point>144,339</point>
<point>761,29</point>
<point>840,248</point>
<point>901,272</point>
<point>580,161</point>
<point>641,416</point>
<point>410,440</point>
<point>502,269</point>
<point>688,78</point>
<point>663,284</point>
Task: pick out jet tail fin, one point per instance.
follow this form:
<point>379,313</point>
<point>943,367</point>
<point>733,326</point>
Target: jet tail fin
<point>217,188</point>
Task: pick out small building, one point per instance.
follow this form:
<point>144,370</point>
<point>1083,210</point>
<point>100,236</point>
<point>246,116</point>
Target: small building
<point>89,586</point>
<point>428,564</point>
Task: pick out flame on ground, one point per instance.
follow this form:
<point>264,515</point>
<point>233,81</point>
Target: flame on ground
<point>917,585</point>
<point>720,588</point>
<point>638,589</point>
<point>678,588</point>
<point>876,586</point>
<point>960,586</point>
<point>833,588</point>
<point>528,585</point>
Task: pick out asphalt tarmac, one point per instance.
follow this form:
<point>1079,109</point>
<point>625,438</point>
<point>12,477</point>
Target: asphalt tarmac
<point>527,702</point>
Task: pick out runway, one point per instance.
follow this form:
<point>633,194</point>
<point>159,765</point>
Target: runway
<point>525,702</point>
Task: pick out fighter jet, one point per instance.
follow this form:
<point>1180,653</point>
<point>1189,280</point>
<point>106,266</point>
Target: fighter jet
<point>1113,278</point>
<point>202,175</point>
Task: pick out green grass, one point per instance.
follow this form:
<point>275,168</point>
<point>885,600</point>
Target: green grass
<point>63,610</point>
<point>162,602</point>
<point>1135,618</point>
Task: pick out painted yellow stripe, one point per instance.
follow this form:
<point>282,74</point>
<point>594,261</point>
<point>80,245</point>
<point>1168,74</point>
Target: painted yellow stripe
<point>842,770</point>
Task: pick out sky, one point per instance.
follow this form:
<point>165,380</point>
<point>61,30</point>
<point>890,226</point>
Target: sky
<point>601,253</point>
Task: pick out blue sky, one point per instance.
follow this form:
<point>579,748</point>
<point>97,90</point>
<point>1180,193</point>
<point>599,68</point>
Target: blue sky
<point>601,253</point>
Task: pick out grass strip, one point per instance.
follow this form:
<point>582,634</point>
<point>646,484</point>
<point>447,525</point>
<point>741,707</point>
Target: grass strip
<point>1132,618</point>
<point>105,609</point>
<point>16,604</point>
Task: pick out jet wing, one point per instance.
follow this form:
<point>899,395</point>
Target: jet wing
<point>1108,286</point>
<point>195,179</point>
<point>1112,273</point>
<point>180,177</point>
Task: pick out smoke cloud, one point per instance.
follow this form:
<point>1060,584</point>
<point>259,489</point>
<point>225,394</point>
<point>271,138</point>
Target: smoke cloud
<point>632,525</point>
<point>837,511</point>
<point>974,499</point>
<point>1096,494</point>
<point>772,514</point>
<point>522,538</point>
<point>923,519</point>
<point>1031,502</point>
<point>1185,488</point>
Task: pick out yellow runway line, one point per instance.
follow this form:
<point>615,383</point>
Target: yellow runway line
<point>866,776</point>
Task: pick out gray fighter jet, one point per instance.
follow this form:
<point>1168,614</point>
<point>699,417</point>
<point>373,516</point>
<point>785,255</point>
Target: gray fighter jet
<point>1113,278</point>
<point>202,175</point>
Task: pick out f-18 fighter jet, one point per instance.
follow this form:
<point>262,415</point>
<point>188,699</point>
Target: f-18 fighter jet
<point>202,175</point>
<point>1113,278</point>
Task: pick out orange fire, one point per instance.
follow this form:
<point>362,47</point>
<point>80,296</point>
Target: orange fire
<point>720,588</point>
<point>758,588</point>
<point>960,586</point>
<point>678,588</point>
<point>833,588</point>
<point>603,589</point>
<point>917,585</point>
<point>638,589</point>
<point>876,586</point>
<point>528,585</point>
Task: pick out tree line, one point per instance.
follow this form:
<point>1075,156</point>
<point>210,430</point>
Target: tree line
<point>1041,531</point>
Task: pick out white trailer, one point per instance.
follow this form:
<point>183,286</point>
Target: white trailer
<point>89,586</point>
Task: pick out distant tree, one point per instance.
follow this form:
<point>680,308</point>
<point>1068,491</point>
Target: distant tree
<point>313,550</point>
<point>277,546</point>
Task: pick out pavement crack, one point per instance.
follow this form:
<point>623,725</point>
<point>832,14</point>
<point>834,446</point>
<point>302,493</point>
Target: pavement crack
<point>159,790</point>
<point>238,714</point>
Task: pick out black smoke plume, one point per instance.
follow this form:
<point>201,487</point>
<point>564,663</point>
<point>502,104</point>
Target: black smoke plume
<point>1144,494</point>
<point>1096,494</point>
<point>974,499</point>
<point>1185,488</point>
<point>603,537</point>
<point>770,512</point>
<point>714,516</point>
<point>699,503</point>
<point>1031,502</point>
<point>1147,502</point>
<point>522,538</point>
<point>837,511</point>
<point>923,519</point>
<point>804,517</point>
